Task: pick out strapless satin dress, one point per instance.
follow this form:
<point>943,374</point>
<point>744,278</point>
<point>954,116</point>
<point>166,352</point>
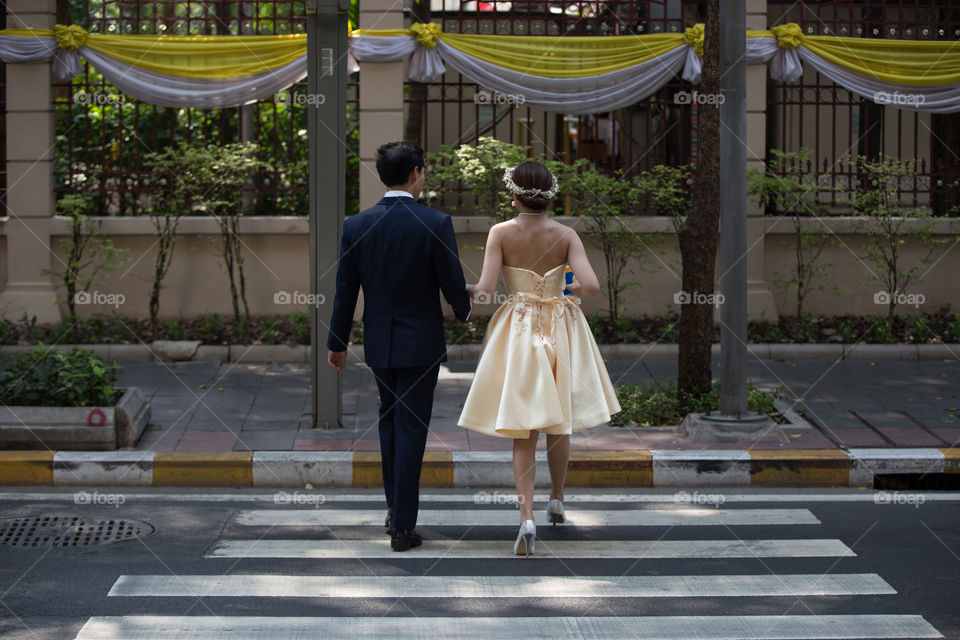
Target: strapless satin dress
<point>540,368</point>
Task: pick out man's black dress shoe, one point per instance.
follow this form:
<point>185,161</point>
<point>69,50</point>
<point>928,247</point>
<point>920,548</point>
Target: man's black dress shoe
<point>404,539</point>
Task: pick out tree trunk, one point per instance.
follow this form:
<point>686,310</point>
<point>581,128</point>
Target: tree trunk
<point>699,233</point>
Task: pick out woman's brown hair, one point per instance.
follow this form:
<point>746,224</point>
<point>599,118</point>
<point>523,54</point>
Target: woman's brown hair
<point>533,175</point>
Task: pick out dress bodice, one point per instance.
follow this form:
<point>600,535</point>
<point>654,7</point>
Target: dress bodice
<point>549,285</point>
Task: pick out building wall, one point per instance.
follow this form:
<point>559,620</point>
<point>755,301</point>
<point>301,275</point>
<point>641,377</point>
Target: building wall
<point>277,260</point>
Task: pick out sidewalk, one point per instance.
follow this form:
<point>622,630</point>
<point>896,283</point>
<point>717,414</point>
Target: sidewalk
<point>887,410</point>
<point>209,406</point>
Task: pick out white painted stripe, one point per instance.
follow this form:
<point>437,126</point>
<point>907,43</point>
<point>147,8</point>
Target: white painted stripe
<point>295,469</point>
<point>894,453</point>
<point>694,455</point>
<point>294,586</point>
<point>461,549</point>
<point>802,627</point>
<point>685,515</point>
<point>376,495</point>
<point>867,462</point>
<point>103,468</point>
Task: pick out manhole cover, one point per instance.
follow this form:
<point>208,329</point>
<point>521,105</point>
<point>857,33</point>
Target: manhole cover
<point>68,531</point>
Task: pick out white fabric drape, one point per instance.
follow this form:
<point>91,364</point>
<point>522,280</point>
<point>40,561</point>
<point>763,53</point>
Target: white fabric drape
<point>149,86</point>
<point>585,94</point>
<point>785,66</point>
<point>627,86</point>
<point>202,93</point>
<point>589,94</point>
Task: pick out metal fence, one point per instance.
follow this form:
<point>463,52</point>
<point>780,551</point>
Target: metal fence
<point>454,111</point>
<point>103,136</point>
<point>835,124</point>
<point>813,113</point>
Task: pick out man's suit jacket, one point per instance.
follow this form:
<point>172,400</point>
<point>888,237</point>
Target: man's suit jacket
<point>403,254</point>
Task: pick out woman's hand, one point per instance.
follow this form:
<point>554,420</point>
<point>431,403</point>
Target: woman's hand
<point>476,295</point>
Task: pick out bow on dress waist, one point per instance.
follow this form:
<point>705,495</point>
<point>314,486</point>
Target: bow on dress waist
<point>557,305</point>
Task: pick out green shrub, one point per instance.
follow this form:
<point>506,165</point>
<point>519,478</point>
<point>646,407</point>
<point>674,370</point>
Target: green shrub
<point>657,403</point>
<point>74,378</point>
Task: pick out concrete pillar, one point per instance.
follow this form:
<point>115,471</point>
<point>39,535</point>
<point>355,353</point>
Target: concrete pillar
<point>30,195</point>
<point>381,98</point>
<point>760,300</point>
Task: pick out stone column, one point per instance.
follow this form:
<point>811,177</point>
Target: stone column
<point>30,190</point>
<point>759,296</point>
<point>381,98</point>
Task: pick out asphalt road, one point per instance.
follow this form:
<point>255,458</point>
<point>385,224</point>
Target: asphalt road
<point>705,563</point>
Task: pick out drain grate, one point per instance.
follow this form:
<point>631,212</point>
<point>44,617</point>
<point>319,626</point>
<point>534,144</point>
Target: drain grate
<point>917,481</point>
<point>69,531</point>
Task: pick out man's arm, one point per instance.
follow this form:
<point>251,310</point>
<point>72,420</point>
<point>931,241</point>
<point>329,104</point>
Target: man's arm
<point>446,265</point>
<point>345,300</point>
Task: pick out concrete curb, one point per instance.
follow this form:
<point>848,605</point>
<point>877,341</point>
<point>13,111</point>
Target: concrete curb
<point>462,469</point>
<point>173,352</point>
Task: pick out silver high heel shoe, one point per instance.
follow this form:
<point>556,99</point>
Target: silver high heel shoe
<point>555,512</point>
<point>525,539</point>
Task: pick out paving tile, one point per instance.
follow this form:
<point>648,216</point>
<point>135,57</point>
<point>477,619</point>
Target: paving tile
<point>910,437</point>
<point>256,440</point>
<point>322,444</point>
<point>206,441</point>
<point>481,442</point>
<point>159,440</point>
<point>291,425</point>
<point>808,439</point>
<point>366,445</point>
<point>205,420</point>
<point>861,437</point>
<point>447,441</point>
<point>949,435</point>
<point>887,419</point>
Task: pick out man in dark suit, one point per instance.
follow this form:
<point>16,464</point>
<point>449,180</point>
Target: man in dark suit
<point>403,255</point>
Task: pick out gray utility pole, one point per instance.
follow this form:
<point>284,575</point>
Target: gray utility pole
<point>733,207</point>
<point>733,421</point>
<point>326,126</point>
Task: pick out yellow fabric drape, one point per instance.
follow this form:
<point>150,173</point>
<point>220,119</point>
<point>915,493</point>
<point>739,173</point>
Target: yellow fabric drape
<point>904,62</point>
<point>910,62</point>
<point>564,56</point>
<point>214,57</point>
<point>551,56</point>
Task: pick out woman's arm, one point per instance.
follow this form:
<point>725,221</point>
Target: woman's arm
<point>492,261</point>
<point>585,284</point>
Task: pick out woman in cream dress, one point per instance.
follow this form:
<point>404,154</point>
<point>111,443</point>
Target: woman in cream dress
<point>540,370</point>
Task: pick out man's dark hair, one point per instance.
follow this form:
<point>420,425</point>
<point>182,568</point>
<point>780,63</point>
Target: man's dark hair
<point>395,161</point>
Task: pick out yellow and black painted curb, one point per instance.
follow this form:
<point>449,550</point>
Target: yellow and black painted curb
<point>452,469</point>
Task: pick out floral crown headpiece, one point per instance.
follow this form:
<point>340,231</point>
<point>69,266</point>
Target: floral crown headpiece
<point>512,186</point>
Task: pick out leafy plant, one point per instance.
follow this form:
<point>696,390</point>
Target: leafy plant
<point>223,178</point>
<point>784,187</point>
<point>888,226</point>
<point>603,201</point>
<point>883,330</point>
<point>300,326</point>
<point>56,378</point>
<point>656,403</point>
<point>172,198</point>
<point>89,252</point>
<point>480,168</point>
<point>668,188</point>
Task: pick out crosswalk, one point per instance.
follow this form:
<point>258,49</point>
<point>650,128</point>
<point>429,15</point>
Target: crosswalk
<point>435,573</point>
